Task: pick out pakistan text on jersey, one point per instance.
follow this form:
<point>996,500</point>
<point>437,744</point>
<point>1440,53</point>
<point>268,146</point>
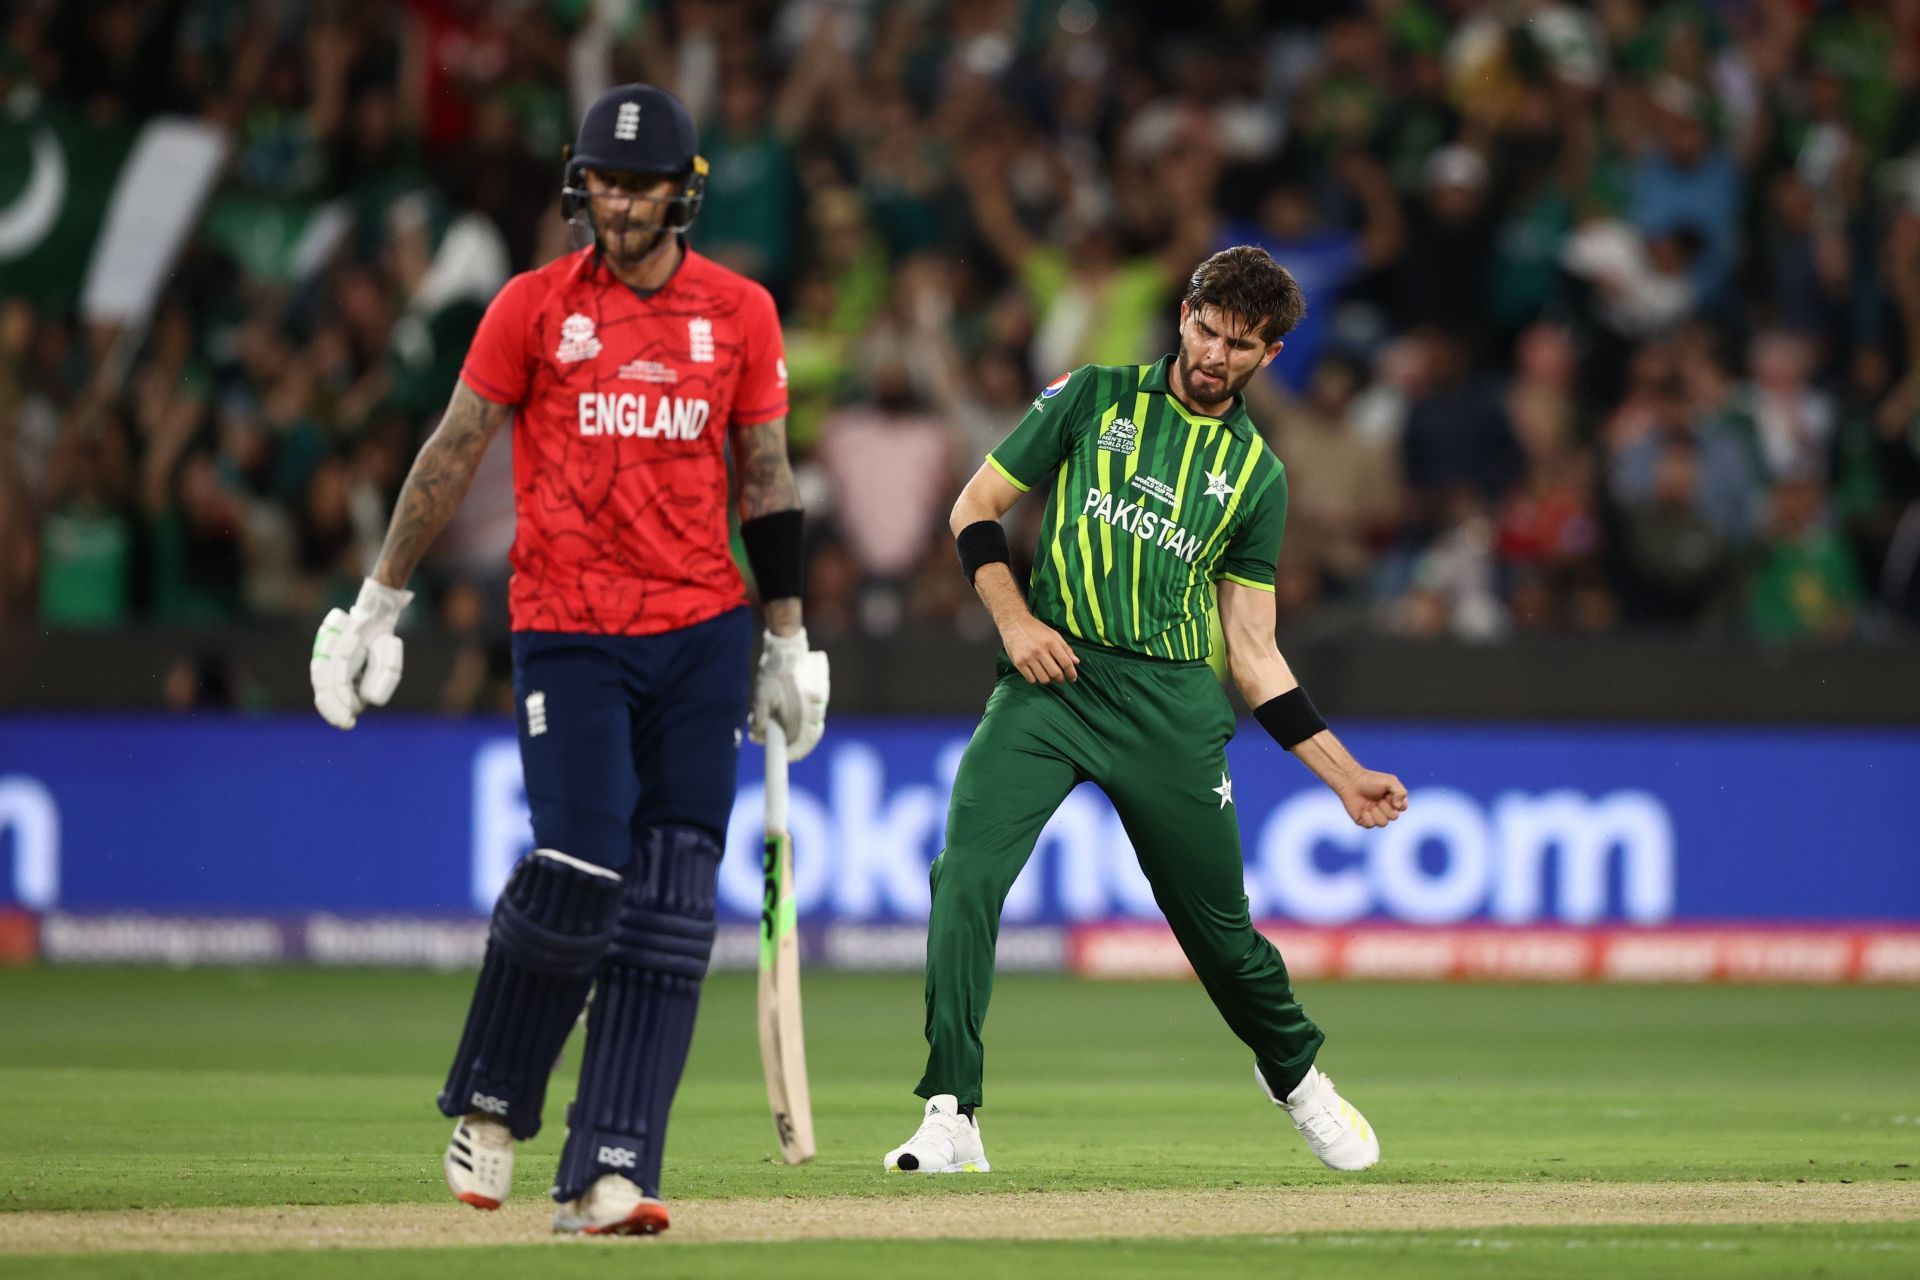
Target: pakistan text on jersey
<point>1148,526</point>
<point>626,414</point>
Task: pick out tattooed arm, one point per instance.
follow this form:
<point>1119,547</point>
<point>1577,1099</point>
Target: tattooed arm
<point>766,478</point>
<point>766,486</point>
<point>441,476</point>
<point>357,658</point>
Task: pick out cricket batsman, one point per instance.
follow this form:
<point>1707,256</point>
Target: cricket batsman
<point>1160,493</point>
<point>627,367</point>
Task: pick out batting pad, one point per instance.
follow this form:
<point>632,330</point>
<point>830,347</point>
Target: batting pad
<point>641,1024</point>
<point>550,928</point>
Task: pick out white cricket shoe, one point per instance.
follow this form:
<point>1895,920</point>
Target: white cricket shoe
<point>479,1161</point>
<point>1333,1127</point>
<point>945,1142</point>
<point>613,1206</point>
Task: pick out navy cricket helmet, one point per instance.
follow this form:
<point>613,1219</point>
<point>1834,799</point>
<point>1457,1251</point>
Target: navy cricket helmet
<point>637,128</point>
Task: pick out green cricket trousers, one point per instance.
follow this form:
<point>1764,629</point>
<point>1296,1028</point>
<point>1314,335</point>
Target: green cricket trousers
<point>1152,734</point>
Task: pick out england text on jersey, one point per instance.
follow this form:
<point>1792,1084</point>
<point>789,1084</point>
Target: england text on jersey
<point>619,439</point>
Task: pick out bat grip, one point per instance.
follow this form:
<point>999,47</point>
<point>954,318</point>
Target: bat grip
<point>776,777</point>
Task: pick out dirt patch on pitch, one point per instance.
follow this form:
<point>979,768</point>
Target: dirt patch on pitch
<point>1015,1216</point>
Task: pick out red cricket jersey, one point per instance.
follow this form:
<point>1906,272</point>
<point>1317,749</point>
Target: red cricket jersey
<point>619,442</point>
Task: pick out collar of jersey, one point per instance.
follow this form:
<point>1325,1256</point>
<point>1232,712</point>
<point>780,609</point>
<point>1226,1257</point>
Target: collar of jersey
<point>1156,379</point>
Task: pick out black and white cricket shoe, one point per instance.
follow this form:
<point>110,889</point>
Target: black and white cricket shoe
<point>479,1161</point>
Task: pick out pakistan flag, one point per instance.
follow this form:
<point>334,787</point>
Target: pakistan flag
<point>92,216</point>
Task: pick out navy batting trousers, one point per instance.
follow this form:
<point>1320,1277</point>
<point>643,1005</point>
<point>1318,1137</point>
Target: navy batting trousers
<point>619,734</point>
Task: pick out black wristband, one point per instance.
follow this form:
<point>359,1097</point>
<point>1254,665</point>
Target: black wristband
<point>775,547</point>
<point>980,544</point>
<point>1290,718</point>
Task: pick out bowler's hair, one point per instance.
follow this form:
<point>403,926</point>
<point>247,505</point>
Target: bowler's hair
<point>1245,281</point>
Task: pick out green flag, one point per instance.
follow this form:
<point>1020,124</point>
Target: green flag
<point>57,173</point>
<point>92,217</point>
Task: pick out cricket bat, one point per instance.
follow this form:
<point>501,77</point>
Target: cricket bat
<point>783,1050</point>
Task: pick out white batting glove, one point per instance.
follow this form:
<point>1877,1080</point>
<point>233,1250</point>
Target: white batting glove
<point>356,656</point>
<point>791,689</point>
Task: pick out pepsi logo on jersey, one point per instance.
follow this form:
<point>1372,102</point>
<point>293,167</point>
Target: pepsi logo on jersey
<point>1051,390</point>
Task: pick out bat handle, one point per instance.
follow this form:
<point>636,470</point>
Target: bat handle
<point>776,777</point>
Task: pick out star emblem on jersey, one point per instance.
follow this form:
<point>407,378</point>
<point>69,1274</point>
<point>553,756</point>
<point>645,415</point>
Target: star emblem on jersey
<point>1224,790</point>
<point>576,340</point>
<point>1217,487</point>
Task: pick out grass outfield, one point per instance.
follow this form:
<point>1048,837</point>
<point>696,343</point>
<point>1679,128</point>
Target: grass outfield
<point>1721,1253</point>
<point>145,1090</point>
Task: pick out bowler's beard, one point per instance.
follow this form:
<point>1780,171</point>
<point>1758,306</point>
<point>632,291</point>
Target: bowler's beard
<point>1209,392</point>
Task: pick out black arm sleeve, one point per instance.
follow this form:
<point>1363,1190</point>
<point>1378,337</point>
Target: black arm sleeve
<point>774,552</point>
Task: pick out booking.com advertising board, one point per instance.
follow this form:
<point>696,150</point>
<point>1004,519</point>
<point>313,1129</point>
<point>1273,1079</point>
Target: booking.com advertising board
<point>1555,832</point>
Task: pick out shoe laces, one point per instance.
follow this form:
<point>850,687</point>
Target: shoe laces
<point>940,1125</point>
<point>1321,1119</point>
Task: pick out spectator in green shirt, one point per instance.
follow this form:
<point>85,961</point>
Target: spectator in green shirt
<point>752,205</point>
<point>1803,585</point>
<point>86,542</point>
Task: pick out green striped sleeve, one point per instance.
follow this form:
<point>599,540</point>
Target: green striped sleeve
<point>1007,475</point>
<point>1255,545</point>
<point>1045,436</point>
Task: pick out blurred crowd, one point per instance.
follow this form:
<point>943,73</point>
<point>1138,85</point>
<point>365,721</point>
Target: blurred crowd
<point>1613,306</point>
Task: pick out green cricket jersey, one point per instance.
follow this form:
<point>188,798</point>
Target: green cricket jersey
<point>1149,506</point>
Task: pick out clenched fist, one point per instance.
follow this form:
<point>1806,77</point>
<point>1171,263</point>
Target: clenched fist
<point>1373,799</point>
<point>356,656</point>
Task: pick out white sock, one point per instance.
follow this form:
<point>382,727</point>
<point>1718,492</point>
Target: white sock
<point>1308,1083</point>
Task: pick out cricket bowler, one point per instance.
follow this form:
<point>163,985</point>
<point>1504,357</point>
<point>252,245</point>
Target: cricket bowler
<point>626,367</point>
<point>1160,494</point>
